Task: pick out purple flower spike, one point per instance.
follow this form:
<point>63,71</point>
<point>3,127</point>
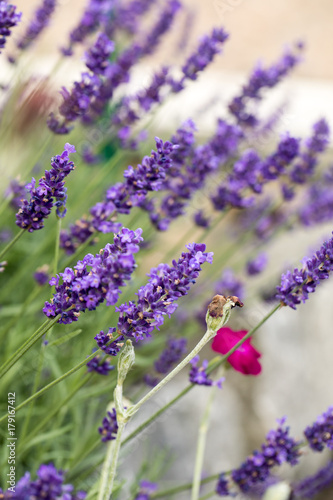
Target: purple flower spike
<point>123,196</point>
<point>259,79</point>
<point>257,265</point>
<point>171,355</point>
<point>94,279</point>
<point>50,192</point>
<point>97,57</point>
<point>158,297</point>
<point>222,487</point>
<point>320,434</point>
<point>8,19</point>
<point>39,22</point>
<point>146,490</point>
<point>296,286</point>
<point>279,448</point>
<point>230,285</point>
<point>199,376</point>
<point>102,366</point>
<point>312,485</point>
<point>109,428</point>
<point>49,485</point>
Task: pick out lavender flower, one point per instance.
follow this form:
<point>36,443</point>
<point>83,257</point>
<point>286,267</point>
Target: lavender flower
<point>146,490</point>
<point>199,376</point>
<point>222,487</point>
<point>123,196</point>
<point>94,279</point>
<point>41,275</point>
<point>109,427</point>
<point>279,448</point>
<point>126,17</point>
<point>50,192</point>
<point>158,297</point>
<point>17,192</point>
<point>102,366</point>
<point>251,173</point>
<point>171,355</point>
<point>230,285</point>
<point>191,173</point>
<point>316,144</point>
<point>296,286</point>
<point>200,219</point>
<point>49,485</point>
<point>209,46</point>
<point>8,19</point>
<point>318,204</point>
<point>96,58</point>
<point>259,79</point>
<point>320,434</point>
<point>39,22</point>
<point>312,485</point>
<point>256,265</point>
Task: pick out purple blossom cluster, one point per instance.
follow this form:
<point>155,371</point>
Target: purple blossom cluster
<point>260,79</point>
<point>8,19</point>
<point>317,206</point>
<point>94,279</point>
<point>16,191</point>
<point>39,22</point>
<point>49,485</point>
<point>257,265</point>
<point>50,192</point>
<point>170,356</point>
<point>320,434</point>
<point>312,485</point>
<point>191,167</point>
<point>147,488</point>
<point>317,143</point>
<point>41,275</point>
<point>89,97</point>
<point>109,427</point>
<point>158,297</point>
<point>126,17</point>
<point>102,366</point>
<point>199,376</point>
<point>296,286</point>
<point>278,449</point>
<point>123,196</point>
<point>250,172</point>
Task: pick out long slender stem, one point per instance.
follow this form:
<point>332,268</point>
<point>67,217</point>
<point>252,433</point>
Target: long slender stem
<point>11,243</point>
<point>26,346</point>
<point>110,464</point>
<point>55,382</point>
<point>147,422</point>
<point>57,246</point>
<point>205,339</point>
<point>201,445</point>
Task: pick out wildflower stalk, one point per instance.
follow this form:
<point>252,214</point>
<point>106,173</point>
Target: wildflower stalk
<point>57,246</point>
<point>209,370</point>
<point>11,243</point>
<point>26,346</point>
<point>201,444</point>
<point>59,379</point>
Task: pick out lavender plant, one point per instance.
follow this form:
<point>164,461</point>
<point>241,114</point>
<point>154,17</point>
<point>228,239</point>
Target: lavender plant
<point>121,248</point>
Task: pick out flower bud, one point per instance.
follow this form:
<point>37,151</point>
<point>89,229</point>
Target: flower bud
<point>218,312</point>
<point>126,361</point>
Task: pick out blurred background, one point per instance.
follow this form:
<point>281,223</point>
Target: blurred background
<point>297,345</point>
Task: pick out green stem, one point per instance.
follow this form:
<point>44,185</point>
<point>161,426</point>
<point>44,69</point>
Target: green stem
<point>26,346</point>
<point>51,414</point>
<point>57,246</point>
<point>110,463</point>
<point>205,339</point>
<point>55,382</point>
<point>11,243</point>
<point>183,487</point>
<point>201,445</point>
<point>209,495</point>
<point>147,422</point>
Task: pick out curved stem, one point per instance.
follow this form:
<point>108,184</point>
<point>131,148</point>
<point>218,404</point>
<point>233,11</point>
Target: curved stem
<point>11,243</point>
<point>57,246</point>
<point>110,463</point>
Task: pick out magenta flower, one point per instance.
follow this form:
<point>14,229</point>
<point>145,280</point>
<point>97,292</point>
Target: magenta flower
<point>245,358</point>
